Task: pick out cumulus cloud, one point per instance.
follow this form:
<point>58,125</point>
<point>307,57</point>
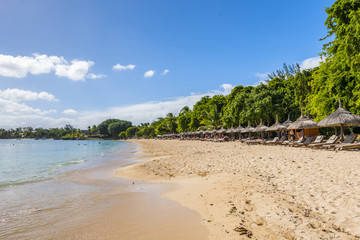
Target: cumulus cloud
<point>21,66</point>
<point>95,76</point>
<point>262,76</point>
<point>25,120</point>
<point>227,88</point>
<point>119,67</point>
<point>149,111</point>
<point>18,95</point>
<point>149,73</point>
<point>13,114</point>
<point>11,107</point>
<point>69,112</point>
<point>166,71</point>
<point>310,63</point>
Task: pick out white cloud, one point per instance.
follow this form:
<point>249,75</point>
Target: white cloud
<point>96,76</point>
<point>149,111</point>
<point>119,67</point>
<point>21,66</point>
<point>227,88</point>
<point>262,76</point>
<point>69,112</point>
<point>13,114</point>
<point>18,95</point>
<point>25,120</point>
<point>75,71</point>
<point>310,63</point>
<point>11,107</point>
<point>149,73</point>
<point>166,71</point>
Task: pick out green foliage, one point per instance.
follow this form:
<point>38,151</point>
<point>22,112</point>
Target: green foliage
<point>339,75</point>
<point>117,127</point>
<point>104,126</point>
<point>122,135</point>
<point>130,132</point>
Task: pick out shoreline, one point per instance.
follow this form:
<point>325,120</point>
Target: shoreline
<point>264,192</point>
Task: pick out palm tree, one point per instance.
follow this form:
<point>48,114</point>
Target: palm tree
<point>212,118</point>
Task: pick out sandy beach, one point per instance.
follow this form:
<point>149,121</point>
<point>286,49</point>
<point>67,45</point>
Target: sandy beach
<point>259,192</point>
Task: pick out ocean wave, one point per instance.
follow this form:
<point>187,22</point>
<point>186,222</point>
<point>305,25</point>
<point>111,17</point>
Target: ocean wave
<point>10,184</point>
<point>71,162</point>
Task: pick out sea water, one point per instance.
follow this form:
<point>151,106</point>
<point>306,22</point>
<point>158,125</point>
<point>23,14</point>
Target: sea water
<point>43,181</point>
<point>53,189</point>
<point>26,161</point>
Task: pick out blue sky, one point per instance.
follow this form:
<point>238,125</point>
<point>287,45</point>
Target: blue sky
<point>58,58</point>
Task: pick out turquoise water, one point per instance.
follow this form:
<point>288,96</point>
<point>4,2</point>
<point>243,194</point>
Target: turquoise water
<point>27,161</point>
<point>47,183</point>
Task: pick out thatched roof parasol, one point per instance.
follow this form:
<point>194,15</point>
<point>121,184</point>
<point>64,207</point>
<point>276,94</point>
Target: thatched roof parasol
<point>303,122</point>
<point>249,128</point>
<point>221,130</point>
<point>261,127</point>
<point>287,122</point>
<point>340,117</point>
<point>277,126</point>
<point>213,131</point>
<point>207,131</point>
<point>238,129</point>
<point>230,130</point>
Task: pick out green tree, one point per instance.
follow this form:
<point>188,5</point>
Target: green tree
<point>103,126</point>
<point>117,127</point>
<point>122,135</point>
<point>130,132</point>
<point>339,75</point>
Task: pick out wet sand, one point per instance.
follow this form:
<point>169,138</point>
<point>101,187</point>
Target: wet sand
<point>94,204</point>
<point>260,192</point>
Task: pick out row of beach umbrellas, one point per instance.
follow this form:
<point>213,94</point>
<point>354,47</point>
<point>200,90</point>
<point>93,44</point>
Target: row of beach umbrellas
<point>340,117</point>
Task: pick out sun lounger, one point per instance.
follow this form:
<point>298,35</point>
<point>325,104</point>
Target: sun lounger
<point>350,146</point>
<point>271,141</point>
<point>307,141</point>
<point>348,140</point>
<point>278,142</point>
<point>319,139</point>
<point>301,140</point>
<point>330,141</point>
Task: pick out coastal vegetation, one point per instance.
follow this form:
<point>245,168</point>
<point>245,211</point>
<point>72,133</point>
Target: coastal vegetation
<point>284,93</point>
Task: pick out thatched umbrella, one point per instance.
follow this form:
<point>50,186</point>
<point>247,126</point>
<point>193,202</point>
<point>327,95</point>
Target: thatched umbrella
<point>287,122</point>
<point>340,117</point>
<point>213,131</point>
<point>249,129</point>
<point>303,122</point>
<point>239,129</point>
<point>261,128</point>
<point>276,127</point>
<point>221,130</point>
<point>230,130</point>
<point>202,132</point>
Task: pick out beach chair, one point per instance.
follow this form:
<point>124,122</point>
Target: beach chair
<point>348,140</point>
<point>279,142</point>
<point>271,141</point>
<point>331,140</point>
<point>307,141</point>
<point>317,140</point>
<point>300,140</point>
<point>350,146</point>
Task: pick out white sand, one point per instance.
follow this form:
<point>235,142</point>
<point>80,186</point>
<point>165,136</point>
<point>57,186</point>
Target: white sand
<point>268,192</point>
